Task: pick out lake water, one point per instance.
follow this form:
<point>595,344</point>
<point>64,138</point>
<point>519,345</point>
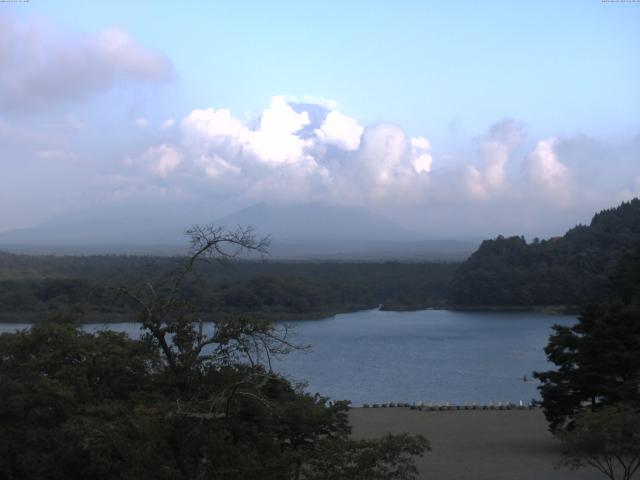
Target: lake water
<point>433,356</point>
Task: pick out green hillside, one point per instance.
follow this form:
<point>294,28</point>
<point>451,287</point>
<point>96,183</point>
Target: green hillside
<point>568,270</point>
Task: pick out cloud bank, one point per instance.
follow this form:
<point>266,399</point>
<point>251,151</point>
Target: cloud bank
<point>293,153</point>
<point>304,152</point>
<point>296,152</point>
<point>59,151</point>
<point>44,66</point>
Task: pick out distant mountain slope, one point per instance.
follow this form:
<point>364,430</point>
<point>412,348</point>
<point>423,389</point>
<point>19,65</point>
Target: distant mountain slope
<point>568,270</point>
<point>316,231</point>
<point>312,231</point>
<point>102,227</point>
<point>317,222</point>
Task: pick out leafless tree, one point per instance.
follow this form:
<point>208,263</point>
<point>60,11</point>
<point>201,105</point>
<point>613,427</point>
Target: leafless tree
<point>170,324</point>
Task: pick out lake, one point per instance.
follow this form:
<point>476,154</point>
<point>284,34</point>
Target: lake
<point>434,356</point>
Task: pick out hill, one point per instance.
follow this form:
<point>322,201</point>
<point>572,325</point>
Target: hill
<point>568,270</point>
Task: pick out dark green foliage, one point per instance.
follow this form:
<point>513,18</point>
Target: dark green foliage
<point>274,290</point>
<point>67,400</point>
<point>75,405</point>
<point>568,270</point>
<point>389,457</point>
<point>598,359</point>
<point>79,405</point>
<point>598,362</point>
<point>177,404</point>
<point>607,439</point>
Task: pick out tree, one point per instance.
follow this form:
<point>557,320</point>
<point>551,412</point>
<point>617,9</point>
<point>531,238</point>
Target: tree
<point>598,359</point>
<point>592,400</point>
<point>598,362</point>
<point>183,402</point>
<point>607,439</point>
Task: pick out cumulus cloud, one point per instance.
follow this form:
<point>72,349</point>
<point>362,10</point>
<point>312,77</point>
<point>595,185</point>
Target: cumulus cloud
<point>304,151</point>
<point>421,158</point>
<point>275,140</point>
<point>341,131</point>
<point>215,166</point>
<point>551,178</point>
<point>43,65</point>
<point>494,151</point>
<point>162,159</point>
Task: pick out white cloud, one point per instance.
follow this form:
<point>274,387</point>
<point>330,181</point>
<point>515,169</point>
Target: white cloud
<point>213,130</point>
<point>382,151</point>
<point>141,122</point>
<point>340,130</point>
<point>276,140</point>
<point>303,153</point>
<point>43,65</point>
<point>474,183</point>
<point>117,49</point>
<point>283,155</point>
<point>495,156</point>
<point>551,178</point>
<point>495,150</point>
<point>214,166</point>
<point>422,160</point>
<point>162,159</point>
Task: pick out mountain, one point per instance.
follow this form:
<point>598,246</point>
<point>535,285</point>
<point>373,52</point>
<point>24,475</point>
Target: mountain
<point>96,232</point>
<point>318,222</point>
<point>568,270</point>
<point>313,231</point>
<point>317,231</point>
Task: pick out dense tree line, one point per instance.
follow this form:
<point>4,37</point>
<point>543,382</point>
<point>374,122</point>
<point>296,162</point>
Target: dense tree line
<point>36,285</point>
<point>568,270</point>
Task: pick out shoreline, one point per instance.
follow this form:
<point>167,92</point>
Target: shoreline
<point>280,317</point>
<point>550,309</point>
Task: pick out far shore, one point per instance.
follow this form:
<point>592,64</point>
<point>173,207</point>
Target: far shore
<point>475,444</point>
<point>550,309</point>
<point>91,317</point>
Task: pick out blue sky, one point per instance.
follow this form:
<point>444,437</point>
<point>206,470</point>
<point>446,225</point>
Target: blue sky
<point>565,73</point>
<point>563,66</point>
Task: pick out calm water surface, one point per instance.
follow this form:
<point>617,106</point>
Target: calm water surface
<point>431,355</point>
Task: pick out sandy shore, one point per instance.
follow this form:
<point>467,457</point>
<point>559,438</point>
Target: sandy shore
<point>475,444</point>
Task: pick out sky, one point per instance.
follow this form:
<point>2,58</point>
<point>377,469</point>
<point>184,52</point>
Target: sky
<point>452,118</point>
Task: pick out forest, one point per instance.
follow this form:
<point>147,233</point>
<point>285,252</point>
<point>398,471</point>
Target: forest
<point>570,270</point>
<point>31,286</point>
